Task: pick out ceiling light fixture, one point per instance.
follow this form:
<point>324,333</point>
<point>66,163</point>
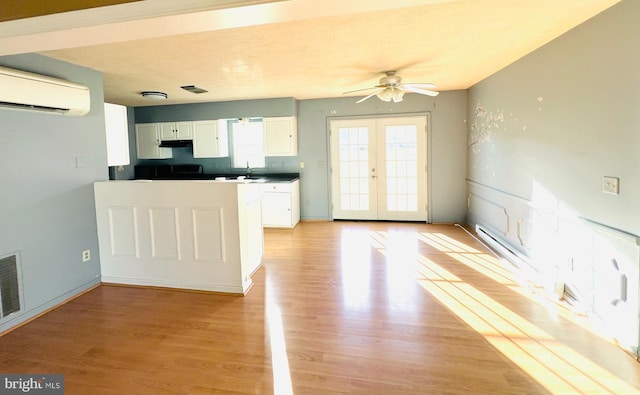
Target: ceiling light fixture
<point>154,95</point>
<point>391,93</point>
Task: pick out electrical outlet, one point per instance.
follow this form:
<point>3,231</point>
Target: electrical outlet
<point>86,255</point>
<point>611,185</point>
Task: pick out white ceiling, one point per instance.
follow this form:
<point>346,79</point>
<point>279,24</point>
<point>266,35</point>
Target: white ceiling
<point>295,48</point>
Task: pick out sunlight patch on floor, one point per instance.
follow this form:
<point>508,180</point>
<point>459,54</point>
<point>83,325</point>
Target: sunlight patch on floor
<point>503,272</point>
<point>557,367</point>
<point>355,265</point>
<point>279,361</point>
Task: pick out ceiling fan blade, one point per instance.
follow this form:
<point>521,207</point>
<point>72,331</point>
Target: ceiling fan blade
<point>371,95</point>
<point>420,85</point>
<point>365,89</point>
<point>359,90</point>
<point>421,91</point>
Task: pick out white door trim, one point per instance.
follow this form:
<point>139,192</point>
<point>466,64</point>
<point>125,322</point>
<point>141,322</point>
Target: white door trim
<point>423,158</point>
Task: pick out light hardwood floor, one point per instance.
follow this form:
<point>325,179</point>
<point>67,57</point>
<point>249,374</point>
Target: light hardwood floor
<point>338,307</point>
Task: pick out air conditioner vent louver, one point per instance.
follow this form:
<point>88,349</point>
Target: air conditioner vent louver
<point>31,107</point>
<point>20,90</point>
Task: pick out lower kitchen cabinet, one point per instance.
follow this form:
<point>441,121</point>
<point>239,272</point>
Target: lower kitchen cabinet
<point>281,204</point>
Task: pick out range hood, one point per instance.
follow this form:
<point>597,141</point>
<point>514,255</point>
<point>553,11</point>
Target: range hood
<point>175,143</point>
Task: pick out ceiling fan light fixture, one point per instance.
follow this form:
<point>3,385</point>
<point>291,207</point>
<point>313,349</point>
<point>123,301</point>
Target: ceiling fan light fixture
<point>385,94</point>
<point>391,88</point>
<point>390,93</point>
<point>153,95</point>
<point>397,95</point>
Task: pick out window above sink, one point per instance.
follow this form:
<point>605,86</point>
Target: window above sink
<point>248,143</point>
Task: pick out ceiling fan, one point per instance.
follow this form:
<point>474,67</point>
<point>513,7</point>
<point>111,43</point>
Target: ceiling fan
<point>391,88</point>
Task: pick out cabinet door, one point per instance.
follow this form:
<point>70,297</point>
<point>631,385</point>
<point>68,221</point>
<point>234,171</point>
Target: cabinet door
<point>148,142</point>
<point>276,209</point>
<point>209,140</point>
<point>117,128</point>
<point>280,136</point>
<point>167,131</point>
<point>183,131</point>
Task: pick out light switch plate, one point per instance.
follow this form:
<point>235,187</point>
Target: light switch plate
<point>611,185</point>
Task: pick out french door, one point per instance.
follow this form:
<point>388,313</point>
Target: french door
<point>378,168</point>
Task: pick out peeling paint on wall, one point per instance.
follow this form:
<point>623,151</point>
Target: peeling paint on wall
<point>484,127</point>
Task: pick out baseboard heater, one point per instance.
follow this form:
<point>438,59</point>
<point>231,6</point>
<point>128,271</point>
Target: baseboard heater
<point>519,260</point>
<point>514,257</point>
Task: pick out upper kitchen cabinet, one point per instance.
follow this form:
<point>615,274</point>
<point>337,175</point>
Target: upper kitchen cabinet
<point>210,139</point>
<point>280,136</point>
<point>176,131</point>
<point>148,142</point>
<point>117,129</point>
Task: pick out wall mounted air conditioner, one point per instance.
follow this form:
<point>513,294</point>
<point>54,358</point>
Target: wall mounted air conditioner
<point>32,92</point>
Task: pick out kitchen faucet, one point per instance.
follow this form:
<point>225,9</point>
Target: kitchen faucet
<point>248,170</point>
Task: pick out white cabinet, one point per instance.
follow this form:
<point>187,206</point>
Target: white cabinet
<point>280,136</point>
<point>281,204</point>
<point>176,131</point>
<point>148,142</point>
<point>117,129</point>
<point>210,139</point>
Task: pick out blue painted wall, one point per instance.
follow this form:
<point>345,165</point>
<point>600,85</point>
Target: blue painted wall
<point>544,133</point>
<point>565,116</point>
<point>47,212</point>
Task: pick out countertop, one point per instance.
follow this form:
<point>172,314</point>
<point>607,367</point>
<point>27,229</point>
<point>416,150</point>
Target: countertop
<point>267,177</point>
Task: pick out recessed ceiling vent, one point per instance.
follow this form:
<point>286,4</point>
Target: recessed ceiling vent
<point>193,89</point>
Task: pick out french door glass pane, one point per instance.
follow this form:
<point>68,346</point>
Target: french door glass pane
<point>353,151</point>
<point>401,164</point>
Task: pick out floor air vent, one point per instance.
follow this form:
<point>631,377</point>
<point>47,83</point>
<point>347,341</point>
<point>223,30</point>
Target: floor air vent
<point>9,286</point>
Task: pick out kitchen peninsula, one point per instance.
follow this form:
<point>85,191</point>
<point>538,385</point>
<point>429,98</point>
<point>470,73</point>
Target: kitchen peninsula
<point>280,191</point>
<point>191,234</point>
